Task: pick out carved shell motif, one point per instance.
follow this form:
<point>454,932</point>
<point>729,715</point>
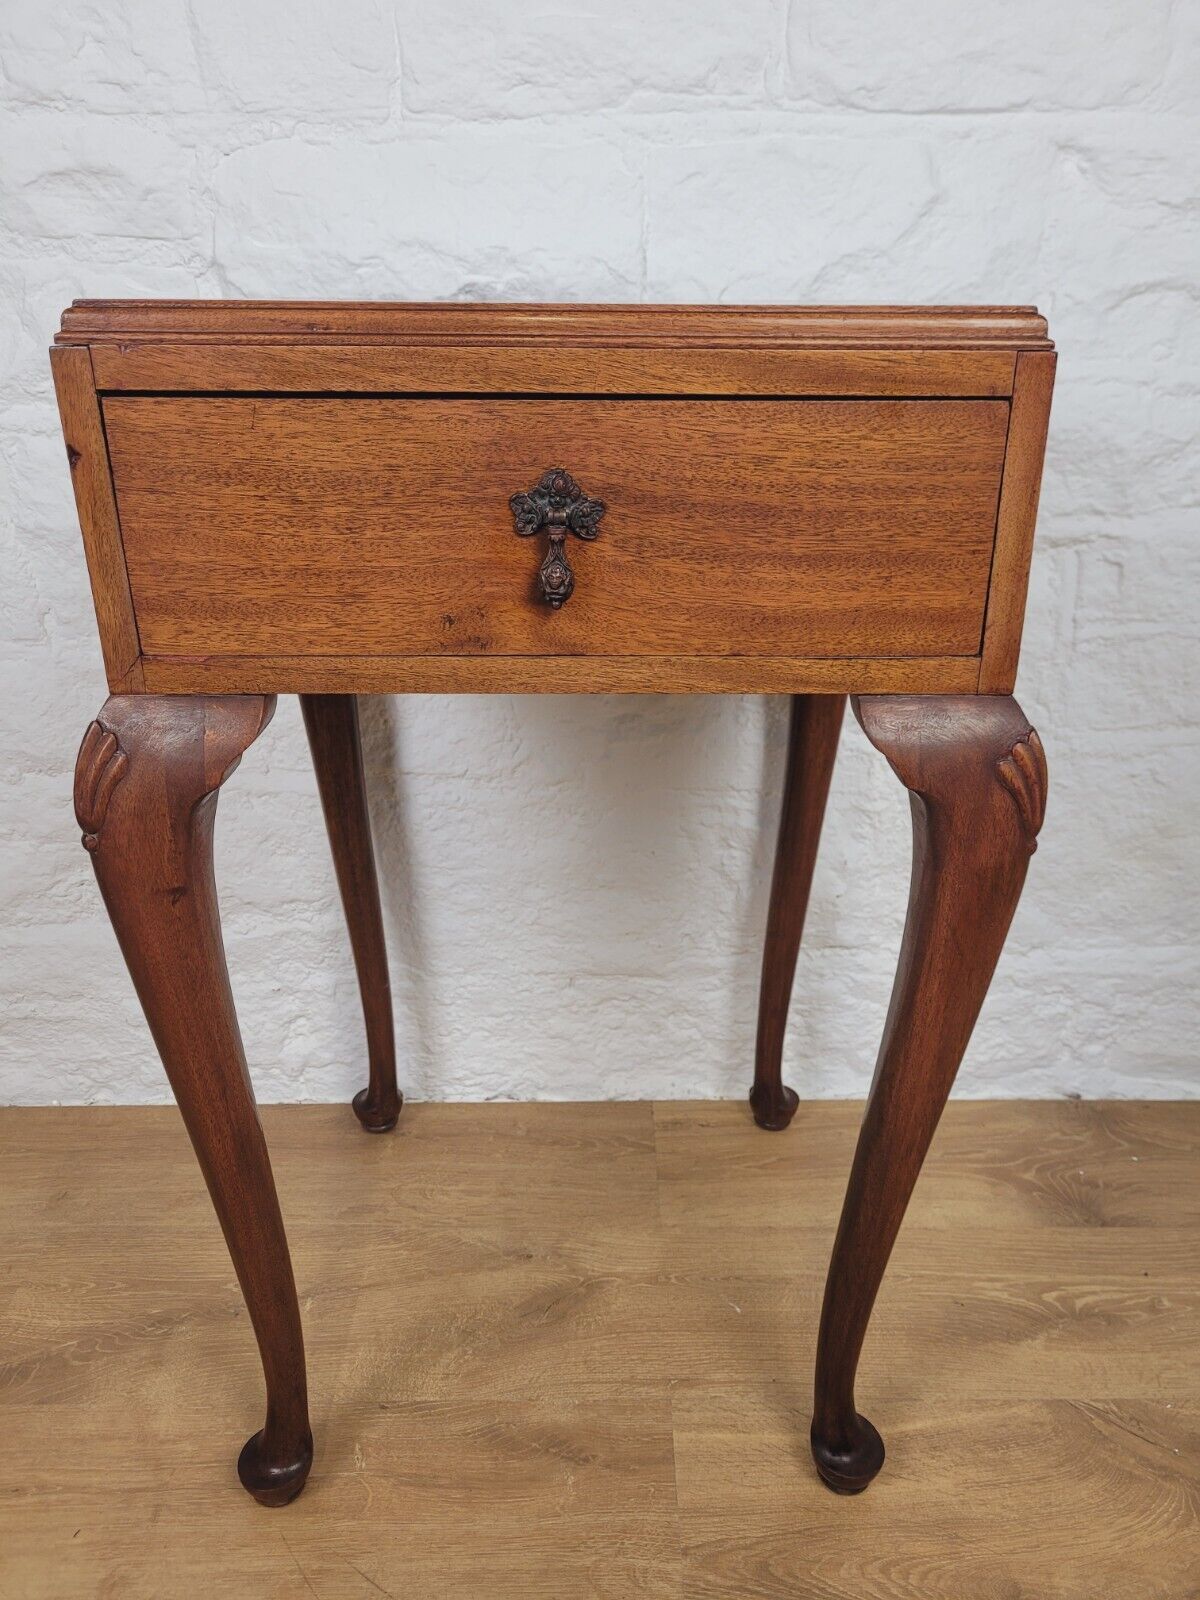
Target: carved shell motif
<point>101,766</point>
<point>1023,774</point>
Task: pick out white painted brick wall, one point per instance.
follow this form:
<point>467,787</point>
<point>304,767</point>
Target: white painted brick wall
<point>576,887</point>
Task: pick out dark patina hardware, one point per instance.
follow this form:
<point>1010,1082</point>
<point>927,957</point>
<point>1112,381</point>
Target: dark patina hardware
<point>556,503</point>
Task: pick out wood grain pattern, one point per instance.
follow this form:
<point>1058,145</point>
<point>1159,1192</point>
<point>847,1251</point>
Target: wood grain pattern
<point>880,611</point>
<point>83,434</point>
<point>1016,521</point>
<point>576,369</point>
<point>758,528</point>
<point>665,326</point>
<point>681,674</point>
<point>587,1373</point>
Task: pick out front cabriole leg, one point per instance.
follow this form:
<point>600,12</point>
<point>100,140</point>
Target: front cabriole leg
<point>976,776</point>
<point>146,785</point>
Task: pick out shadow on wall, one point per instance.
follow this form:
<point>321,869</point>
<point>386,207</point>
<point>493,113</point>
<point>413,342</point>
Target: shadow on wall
<point>589,887</point>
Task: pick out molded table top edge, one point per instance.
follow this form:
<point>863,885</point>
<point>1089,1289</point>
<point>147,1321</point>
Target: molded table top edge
<point>912,327</point>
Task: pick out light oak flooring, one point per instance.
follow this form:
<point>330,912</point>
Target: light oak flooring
<point>565,1350</point>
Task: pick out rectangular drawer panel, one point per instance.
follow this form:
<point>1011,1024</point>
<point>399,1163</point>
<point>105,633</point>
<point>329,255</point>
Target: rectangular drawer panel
<point>806,528</point>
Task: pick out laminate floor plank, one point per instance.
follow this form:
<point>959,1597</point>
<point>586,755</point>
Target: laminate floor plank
<point>563,1351</point>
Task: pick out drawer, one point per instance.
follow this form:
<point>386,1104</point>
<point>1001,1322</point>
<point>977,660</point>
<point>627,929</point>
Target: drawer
<point>360,526</point>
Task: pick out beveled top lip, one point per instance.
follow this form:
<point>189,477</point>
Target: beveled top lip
<point>520,323</point>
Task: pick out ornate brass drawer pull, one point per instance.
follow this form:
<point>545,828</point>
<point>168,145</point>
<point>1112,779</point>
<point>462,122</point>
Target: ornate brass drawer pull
<point>558,503</point>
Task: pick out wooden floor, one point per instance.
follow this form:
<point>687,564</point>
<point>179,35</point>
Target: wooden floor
<point>565,1350</point>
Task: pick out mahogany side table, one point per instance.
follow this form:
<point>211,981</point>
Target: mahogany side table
<point>329,500</point>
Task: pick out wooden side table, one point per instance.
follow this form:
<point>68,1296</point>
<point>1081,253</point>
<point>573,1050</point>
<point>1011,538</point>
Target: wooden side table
<point>330,500</point>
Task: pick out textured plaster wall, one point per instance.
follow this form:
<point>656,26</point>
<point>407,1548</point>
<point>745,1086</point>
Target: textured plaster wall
<point>575,888</point>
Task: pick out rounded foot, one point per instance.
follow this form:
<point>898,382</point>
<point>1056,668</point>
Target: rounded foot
<point>849,1470</point>
<point>376,1116</point>
<point>773,1111</point>
<point>273,1483</point>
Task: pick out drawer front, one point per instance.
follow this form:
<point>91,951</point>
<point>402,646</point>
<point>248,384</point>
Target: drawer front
<point>382,527</point>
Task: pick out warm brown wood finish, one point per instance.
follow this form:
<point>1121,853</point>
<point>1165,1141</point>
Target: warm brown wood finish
<point>816,723</point>
<point>719,369</point>
<point>733,527</point>
<point>83,434</point>
<point>756,515</point>
<point>328,500</point>
<point>146,786</point>
<point>537,326</point>
<point>331,721</point>
<point>562,1354</point>
<point>976,776</point>
<point>1016,520</point>
<point>681,674</point>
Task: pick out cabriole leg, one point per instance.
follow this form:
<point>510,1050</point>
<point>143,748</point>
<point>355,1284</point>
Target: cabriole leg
<point>333,736</point>
<point>816,722</point>
<point>976,776</point>
<point>146,785</point>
